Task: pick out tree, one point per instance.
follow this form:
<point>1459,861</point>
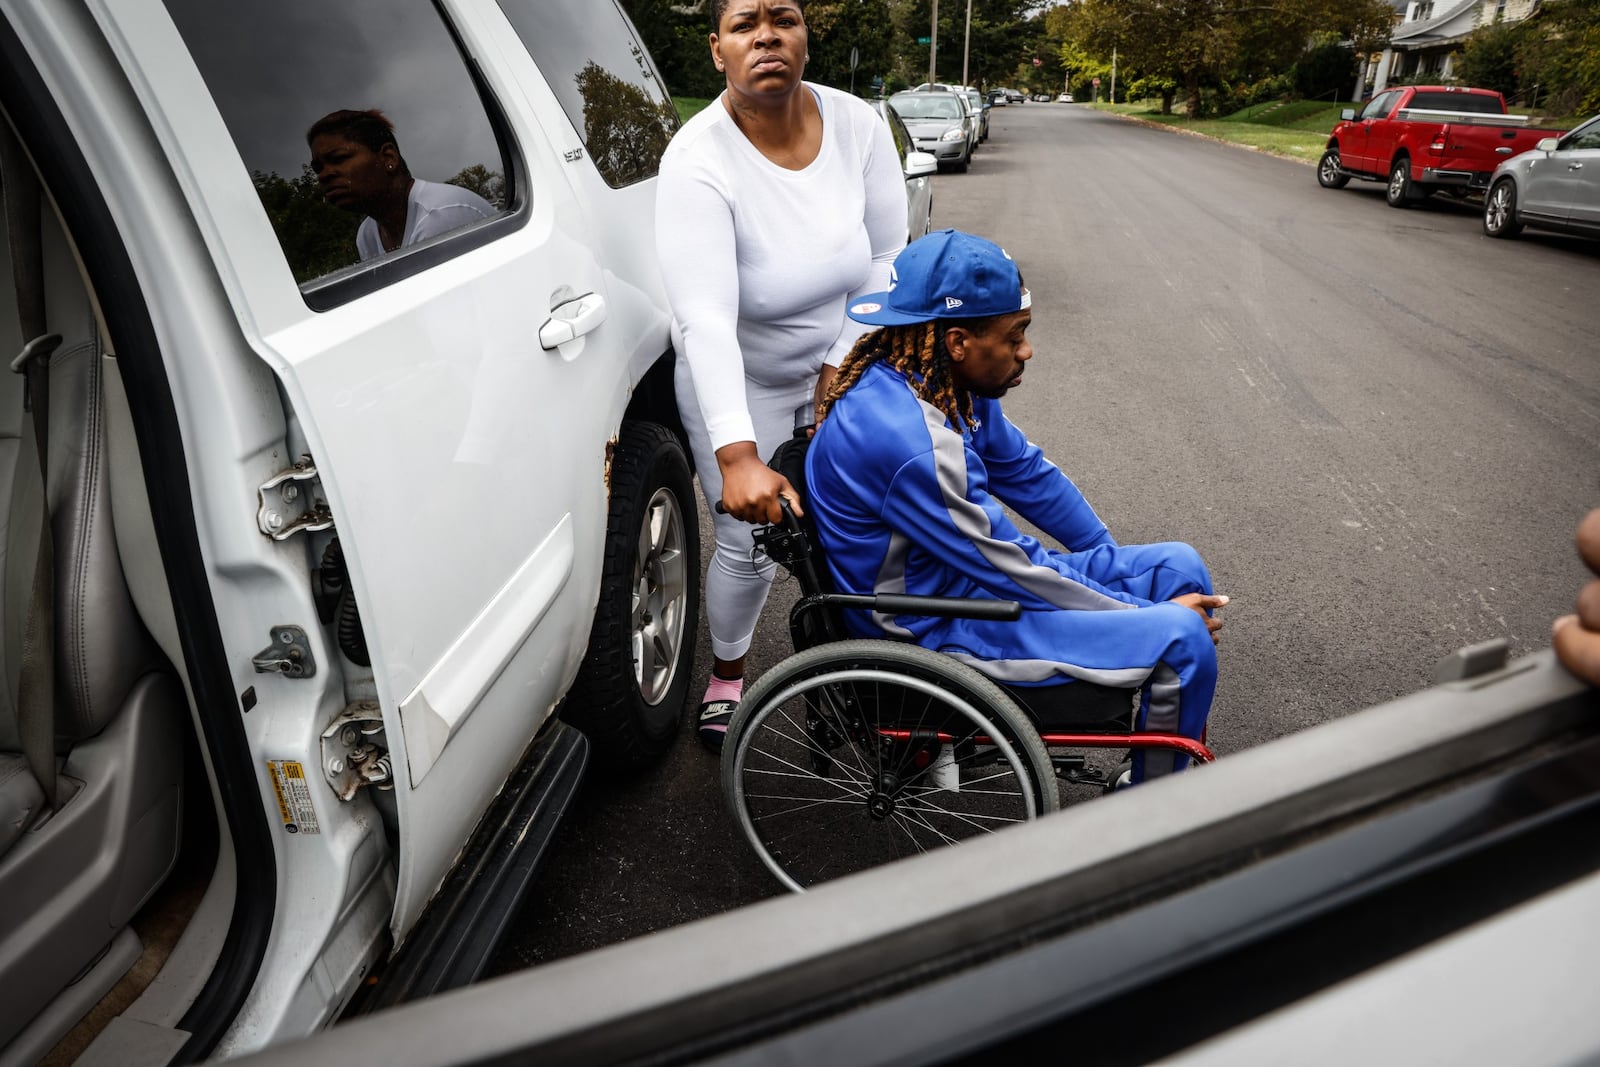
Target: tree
<point>1326,70</point>
<point>1559,60</point>
<point>489,184</point>
<point>624,129</point>
<point>675,34</point>
<point>1199,42</point>
<point>317,238</point>
<point>837,27</point>
<point>1000,38</point>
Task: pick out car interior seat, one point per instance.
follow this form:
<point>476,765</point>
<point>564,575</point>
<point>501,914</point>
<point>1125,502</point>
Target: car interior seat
<point>75,871</point>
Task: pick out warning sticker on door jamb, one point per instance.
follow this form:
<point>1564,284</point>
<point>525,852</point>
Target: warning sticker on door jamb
<point>294,796</point>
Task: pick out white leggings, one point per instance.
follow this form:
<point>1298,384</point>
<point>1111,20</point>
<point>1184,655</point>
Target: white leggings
<point>736,588</point>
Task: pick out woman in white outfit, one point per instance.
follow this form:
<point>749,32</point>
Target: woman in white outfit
<point>776,206</point>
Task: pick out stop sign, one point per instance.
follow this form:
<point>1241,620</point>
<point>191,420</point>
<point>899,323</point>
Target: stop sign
<point>1096,83</point>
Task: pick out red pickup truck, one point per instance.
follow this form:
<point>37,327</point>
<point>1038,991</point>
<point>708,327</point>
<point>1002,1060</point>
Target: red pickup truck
<point>1423,138</point>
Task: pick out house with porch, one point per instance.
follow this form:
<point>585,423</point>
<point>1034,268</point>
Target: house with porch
<point>1429,33</point>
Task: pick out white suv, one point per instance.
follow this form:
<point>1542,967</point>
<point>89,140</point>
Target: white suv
<point>348,496</point>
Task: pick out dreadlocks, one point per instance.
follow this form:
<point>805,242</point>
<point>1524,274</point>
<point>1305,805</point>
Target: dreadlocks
<point>918,352</point>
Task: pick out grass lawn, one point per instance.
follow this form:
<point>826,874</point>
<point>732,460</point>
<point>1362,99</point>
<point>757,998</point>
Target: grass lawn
<point>1297,130</point>
<point>688,106</point>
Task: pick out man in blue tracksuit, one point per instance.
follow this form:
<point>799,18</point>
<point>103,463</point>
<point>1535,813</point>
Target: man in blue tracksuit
<point>907,473</point>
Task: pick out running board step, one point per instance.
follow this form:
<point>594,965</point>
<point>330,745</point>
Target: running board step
<point>453,941</point>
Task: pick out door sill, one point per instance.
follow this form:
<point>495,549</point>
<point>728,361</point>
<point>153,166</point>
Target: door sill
<point>452,942</point>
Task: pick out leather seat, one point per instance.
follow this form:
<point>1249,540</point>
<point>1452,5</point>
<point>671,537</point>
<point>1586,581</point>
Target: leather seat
<point>70,879</point>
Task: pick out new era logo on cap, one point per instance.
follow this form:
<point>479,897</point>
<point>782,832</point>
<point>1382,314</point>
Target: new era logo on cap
<point>947,274</point>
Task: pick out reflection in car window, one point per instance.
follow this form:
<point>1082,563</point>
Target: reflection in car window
<point>604,79</point>
<point>902,136</point>
<point>359,122</point>
<point>1584,137</point>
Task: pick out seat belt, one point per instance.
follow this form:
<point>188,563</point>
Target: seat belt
<point>36,689</point>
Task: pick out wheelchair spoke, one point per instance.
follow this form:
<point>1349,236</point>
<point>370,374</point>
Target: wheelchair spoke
<point>812,745</point>
<point>854,756</point>
<point>836,820</point>
<point>852,801</point>
<point>971,818</point>
<point>908,816</point>
<point>900,823</point>
<point>801,772</point>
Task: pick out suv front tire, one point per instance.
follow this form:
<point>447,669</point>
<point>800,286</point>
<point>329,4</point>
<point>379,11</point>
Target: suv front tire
<point>630,690</point>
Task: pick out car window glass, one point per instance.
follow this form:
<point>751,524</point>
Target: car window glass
<point>1472,103</point>
<point>406,135</point>
<point>605,81</point>
<point>897,128</point>
<point>1584,137</point>
<point>927,106</point>
<point>1378,106</point>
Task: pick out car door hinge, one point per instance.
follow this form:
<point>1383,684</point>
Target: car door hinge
<point>288,655</point>
<point>292,502</point>
<point>355,752</point>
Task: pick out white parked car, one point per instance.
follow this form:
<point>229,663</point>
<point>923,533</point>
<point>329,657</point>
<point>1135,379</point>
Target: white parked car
<point>361,466</point>
<point>1064,98</point>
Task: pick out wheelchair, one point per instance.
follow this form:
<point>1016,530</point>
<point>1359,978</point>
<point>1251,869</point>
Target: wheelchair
<point>853,752</point>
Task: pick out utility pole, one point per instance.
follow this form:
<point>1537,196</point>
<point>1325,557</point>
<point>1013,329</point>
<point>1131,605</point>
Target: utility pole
<point>966,45</point>
<point>933,47</point>
<point>1113,73</point>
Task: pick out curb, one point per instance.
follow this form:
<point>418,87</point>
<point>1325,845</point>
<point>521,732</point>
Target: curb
<point>1206,137</point>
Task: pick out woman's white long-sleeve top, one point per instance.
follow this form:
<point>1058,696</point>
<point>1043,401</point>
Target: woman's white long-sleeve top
<point>760,262</point>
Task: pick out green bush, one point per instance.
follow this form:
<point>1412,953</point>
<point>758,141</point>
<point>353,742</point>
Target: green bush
<point>1326,72</point>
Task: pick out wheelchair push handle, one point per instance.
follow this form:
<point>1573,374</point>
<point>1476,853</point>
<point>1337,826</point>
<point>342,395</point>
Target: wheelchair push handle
<point>790,522</point>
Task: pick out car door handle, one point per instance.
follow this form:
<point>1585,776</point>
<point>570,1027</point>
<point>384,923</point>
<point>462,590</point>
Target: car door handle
<point>569,321</point>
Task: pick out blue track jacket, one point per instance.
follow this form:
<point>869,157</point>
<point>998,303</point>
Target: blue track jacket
<point>903,504</point>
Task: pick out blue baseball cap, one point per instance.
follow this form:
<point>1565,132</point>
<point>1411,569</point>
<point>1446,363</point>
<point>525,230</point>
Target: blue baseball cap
<point>945,275</point>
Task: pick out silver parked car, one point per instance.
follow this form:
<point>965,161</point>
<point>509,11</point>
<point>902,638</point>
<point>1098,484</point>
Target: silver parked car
<point>939,123</point>
<point>918,167</point>
<point>1556,186</point>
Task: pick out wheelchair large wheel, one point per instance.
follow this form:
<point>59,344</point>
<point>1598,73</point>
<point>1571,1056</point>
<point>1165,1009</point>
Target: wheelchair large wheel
<point>855,753</point>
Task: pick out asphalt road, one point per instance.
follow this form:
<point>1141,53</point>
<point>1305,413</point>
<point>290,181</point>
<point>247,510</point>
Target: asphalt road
<point>1380,428</point>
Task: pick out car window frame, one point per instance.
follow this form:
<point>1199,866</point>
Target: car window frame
<point>365,277</point>
<point>1569,143</point>
<point>636,40</point>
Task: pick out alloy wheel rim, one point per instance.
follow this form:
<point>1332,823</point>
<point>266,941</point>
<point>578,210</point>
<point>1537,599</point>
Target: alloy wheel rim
<point>1497,208</point>
<point>660,596</point>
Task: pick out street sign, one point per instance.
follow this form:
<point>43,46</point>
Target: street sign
<point>924,40</point>
<point>1038,62</point>
<point>855,58</point>
<point>1096,83</point>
